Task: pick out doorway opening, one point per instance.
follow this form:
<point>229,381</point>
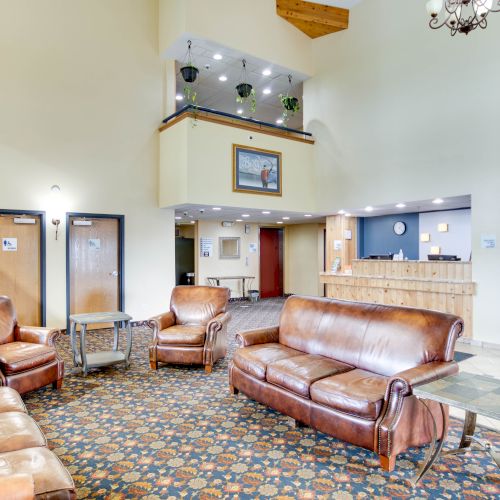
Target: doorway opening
<point>184,254</point>
<point>271,262</point>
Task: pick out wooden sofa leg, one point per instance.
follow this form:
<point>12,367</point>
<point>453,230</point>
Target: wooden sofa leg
<point>153,364</point>
<point>233,390</point>
<point>208,368</point>
<point>298,424</point>
<point>388,463</point>
<point>57,384</point>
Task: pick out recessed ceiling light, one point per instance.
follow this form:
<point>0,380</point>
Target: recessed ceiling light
<point>347,214</point>
<point>401,205</point>
<point>285,218</point>
<point>239,111</point>
<point>216,208</point>
<point>245,215</point>
<point>307,215</point>
<point>239,220</point>
<point>279,121</point>
<point>178,218</point>
<point>368,209</point>
<point>217,57</point>
<point>438,201</point>
<point>266,72</point>
<point>193,222</point>
<point>279,222</point>
<point>266,91</point>
<point>223,78</point>
<point>179,97</point>
<point>266,212</point>
<point>341,212</point>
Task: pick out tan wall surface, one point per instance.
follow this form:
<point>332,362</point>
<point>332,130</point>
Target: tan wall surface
<point>402,112</point>
<point>80,100</point>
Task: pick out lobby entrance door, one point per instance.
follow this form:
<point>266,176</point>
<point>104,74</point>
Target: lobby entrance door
<point>271,262</point>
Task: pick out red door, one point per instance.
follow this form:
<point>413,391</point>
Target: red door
<point>271,262</point>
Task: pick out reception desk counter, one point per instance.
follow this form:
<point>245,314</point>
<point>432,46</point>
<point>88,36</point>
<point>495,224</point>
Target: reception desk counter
<point>439,285</point>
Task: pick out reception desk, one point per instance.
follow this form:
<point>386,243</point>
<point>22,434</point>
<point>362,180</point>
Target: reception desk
<point>443,286</point>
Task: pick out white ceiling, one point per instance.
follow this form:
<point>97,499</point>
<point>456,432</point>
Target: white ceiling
<point>221,96</point>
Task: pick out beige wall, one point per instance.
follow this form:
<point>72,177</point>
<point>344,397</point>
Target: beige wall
<point>303,258</point>
<point>246,265</point>
<point>80,101</point>
<point>196,167</point>
<point>401,112</point>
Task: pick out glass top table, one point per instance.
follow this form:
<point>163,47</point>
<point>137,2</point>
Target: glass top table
<point>476,394</point>
<point>102,358</point>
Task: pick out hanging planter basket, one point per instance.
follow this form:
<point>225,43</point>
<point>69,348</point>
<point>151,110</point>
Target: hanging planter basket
<point>244,90</point>
<point>189,73</point>
<point>290,103</point>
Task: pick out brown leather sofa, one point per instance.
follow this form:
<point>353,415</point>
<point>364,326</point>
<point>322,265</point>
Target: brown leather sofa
<point>28,357</point>
<point>194,331</point>
<point>28,469</point>
<point>348,369</point>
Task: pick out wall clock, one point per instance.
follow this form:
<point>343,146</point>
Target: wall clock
<point>399,228</point>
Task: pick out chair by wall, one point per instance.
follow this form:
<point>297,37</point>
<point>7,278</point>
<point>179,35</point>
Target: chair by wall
<point>194,331</point>
<point>28,357</point>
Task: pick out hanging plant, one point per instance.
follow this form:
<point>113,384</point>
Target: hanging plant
<point>245,93</point>
<point>289,103</point>
<point>189,71</point>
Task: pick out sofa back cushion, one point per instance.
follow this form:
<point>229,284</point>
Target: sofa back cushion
<point>197,305</point>
<point>381,339</point>
<point>7,320</point>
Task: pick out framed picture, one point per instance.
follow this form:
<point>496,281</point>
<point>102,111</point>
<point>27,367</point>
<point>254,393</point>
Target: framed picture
<point>256,170</point>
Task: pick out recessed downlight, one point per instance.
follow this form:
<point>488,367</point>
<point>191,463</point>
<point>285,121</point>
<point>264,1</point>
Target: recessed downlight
<point>239,220</point>
<point>179,97</point>
<point>347,214</point>
<point>193,222</point>
<point>266,212</point>
<point>401,205</point>
<point>279,121</point>
<point>285,218</point>
<point>369,209</point>
<point>216,208</point>
<point>217,56</point>
<point>279,222</point>
<point>239,111</point>
<point>222,78</point>
<point>307,215</point>
<point>341,212</point>
<point>438,201</point>
<point>245,215</point>
<point>177,217</point>
<point>266,72</point>
<point>266,91</point>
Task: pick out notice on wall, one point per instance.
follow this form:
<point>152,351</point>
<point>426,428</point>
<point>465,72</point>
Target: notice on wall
<point>252,248</point>
<point>206,247</point>
<point>488,241</point>
<point>347,234</point>
<point>95,244</point>
<point>9,244</point>
<point>337,244</point>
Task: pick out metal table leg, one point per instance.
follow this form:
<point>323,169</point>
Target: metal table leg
<point>83,354</point>
<point>74,347</point>
<point>116,335</point>
<point>129,344</point>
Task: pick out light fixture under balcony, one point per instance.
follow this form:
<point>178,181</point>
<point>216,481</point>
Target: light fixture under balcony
<point>461,16</point>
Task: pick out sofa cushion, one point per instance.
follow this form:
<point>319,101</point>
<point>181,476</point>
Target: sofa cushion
<point>255,359</point>
<point>182,335</point>
<point>356,392</point>
<point>10,400</point>
<point>49,475</point>
<point>298,373</point>
<point>19,431</point>
<point>20,356</point>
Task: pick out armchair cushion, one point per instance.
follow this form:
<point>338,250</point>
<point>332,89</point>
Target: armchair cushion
<point>255,359</point>
<point>182,335</point>
<point>10,400</point>
<point>356,392</point>
<point>18,431</point>
<point>17,357</point>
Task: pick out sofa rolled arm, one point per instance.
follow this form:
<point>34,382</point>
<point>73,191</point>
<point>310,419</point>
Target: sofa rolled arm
<point>215,326</point>
<point>265,335</point>
<point>401,385</point>
<point>17,487</point>
<point>160,322</point>
<point>37,335</point>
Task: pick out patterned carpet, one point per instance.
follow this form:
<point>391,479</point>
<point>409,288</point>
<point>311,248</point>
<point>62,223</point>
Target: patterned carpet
<point>177,433</point>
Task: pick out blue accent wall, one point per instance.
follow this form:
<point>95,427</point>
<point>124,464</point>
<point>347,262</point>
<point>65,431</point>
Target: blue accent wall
<point>377,236</point>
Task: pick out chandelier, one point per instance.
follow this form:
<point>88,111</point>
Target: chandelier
<point>461,16</point>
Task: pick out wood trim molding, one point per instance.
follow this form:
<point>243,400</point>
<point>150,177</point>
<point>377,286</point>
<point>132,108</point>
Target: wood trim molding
<point>230,122</point>
<point>315,20</point>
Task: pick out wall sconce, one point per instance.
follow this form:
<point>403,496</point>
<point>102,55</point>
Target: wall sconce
<point>435,250</point>
<point>443,228</point>
<point>425,237</point>
<point>56,192</point>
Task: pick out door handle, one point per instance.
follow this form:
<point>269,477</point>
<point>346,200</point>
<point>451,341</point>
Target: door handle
<point>114,273</point>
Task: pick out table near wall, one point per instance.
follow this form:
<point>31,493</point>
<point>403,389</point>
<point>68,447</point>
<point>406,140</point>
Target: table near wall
<point>439,285</point>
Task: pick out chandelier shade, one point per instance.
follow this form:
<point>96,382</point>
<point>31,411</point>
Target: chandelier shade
<point>460,16</point>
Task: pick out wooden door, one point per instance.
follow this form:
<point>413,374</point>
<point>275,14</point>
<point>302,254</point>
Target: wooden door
<point>20,265</point>
<point>94,265</point>
<point>271,262</point>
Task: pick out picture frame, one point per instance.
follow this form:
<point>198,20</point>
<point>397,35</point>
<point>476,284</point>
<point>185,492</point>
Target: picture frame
<point>256,170</point>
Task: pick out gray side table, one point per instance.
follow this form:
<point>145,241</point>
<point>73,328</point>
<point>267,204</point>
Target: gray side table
<point>476,394</point>
<point>102,358</point>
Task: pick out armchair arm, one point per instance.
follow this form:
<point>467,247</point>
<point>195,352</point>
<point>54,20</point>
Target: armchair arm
<point>216,324</point>
<point>160,322</point>
<point>216,339</point>
<point>37,335</point>
<point>17,487</point>
<point>258,336</point>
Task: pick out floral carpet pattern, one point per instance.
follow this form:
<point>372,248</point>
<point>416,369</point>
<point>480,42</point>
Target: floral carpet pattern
<point>177,433</point>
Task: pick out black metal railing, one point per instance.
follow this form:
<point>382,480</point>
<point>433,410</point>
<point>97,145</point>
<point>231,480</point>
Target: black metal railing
<point>192,107</point>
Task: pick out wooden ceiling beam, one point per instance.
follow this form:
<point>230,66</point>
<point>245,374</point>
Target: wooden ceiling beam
<point>313,19</point>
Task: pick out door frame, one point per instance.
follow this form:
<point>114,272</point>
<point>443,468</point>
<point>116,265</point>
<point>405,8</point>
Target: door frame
<point>121,257</point>
<point>43,269</point>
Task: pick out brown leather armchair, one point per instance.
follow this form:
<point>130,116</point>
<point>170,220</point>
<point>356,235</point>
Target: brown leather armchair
<point>28,357</point>
<point>194,331</point>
